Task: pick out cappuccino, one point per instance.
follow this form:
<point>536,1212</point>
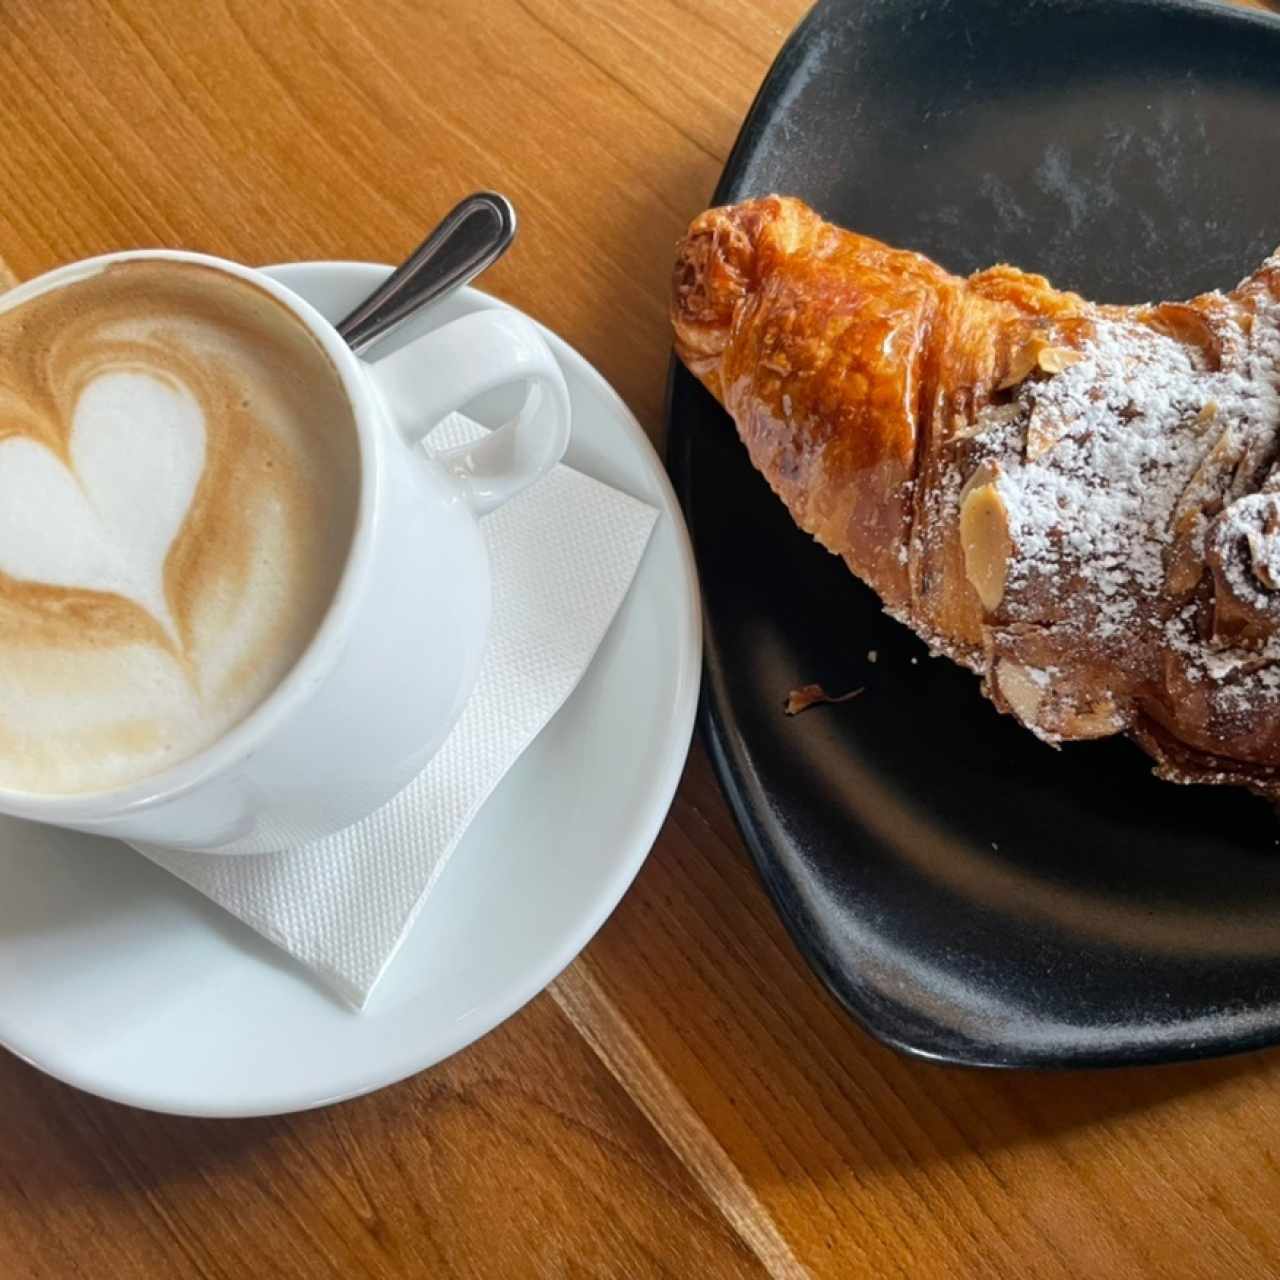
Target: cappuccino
<point>179,477</point>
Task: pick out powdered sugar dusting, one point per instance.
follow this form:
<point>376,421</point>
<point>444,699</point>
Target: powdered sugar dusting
<point>1133,421</point>
<point>1113,473</point>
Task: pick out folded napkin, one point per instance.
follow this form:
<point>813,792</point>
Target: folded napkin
<point>564,554</point>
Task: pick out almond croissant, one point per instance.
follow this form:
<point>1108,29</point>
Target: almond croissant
<point>1079,502</point>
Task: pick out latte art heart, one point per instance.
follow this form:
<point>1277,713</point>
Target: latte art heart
<point>137,448</point>
<point>178,482</point>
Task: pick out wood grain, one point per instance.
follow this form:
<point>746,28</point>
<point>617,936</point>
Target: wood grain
<point>686,1101</point>
<point>523,1157</point>
<point>871,1164</point>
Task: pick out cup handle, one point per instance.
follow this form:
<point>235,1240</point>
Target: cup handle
<point>443,370</point>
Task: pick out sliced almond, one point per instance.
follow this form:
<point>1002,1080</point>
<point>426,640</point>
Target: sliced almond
<point>1199,501</point>
<point>985,540</point>
<point>1018,689</point>
<point>1264,549</point>
<point>1043,432</point>
<point>1210,481</point>
<point>1056,359</point>
<point>1208,413</point>
<point>999,415</point>
<point>1038,353</point>
<point>984,473</point>
<point>1022,364</point>
<point>994,415</point>
<point>1183,568</point>
<point>1100,720</point>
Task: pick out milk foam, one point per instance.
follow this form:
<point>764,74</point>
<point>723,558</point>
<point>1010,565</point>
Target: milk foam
<point>106,521</point>
<point>178,478</point>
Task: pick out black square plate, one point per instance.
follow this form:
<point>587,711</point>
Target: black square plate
<point>969,894</point>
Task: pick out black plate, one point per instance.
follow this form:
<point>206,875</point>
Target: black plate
<point>966,892</point>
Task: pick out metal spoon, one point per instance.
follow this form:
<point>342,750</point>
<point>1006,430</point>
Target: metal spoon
<point>470,238</point>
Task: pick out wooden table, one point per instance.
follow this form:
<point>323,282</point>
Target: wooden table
<point>685,1100</point>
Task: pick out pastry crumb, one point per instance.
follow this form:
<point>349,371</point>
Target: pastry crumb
<point>812,695</point>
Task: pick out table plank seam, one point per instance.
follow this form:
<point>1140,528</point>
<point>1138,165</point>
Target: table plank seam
<point>618,1046</point>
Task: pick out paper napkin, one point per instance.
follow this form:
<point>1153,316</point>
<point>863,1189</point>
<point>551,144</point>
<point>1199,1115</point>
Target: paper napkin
<point>564,554</point>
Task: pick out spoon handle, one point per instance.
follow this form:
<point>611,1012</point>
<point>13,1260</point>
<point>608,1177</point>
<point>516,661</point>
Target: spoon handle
<point>472,236</point>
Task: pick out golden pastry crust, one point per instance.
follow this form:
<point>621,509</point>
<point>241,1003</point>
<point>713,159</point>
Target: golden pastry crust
<point>1079,502</point>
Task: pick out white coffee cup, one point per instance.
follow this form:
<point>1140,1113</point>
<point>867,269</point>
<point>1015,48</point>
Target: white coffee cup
<point>395,659</point>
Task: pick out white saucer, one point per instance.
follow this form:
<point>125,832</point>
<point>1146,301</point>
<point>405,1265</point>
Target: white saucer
<point>118,979</point>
